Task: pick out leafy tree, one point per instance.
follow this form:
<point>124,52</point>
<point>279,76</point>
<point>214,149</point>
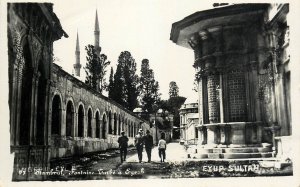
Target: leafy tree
<point>173,89</point>
<point>126,81</point>
<point>148,87</point>
<point>96,69</point>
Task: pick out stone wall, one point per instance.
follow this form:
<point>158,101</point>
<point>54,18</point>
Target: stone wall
<point>102,118</point>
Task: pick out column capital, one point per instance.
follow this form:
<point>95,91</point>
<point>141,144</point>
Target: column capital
<point>194,41</point>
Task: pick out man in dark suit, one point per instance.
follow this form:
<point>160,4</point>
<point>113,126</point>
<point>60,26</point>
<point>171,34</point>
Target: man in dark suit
<point>123,144</point>
<point>148,140</point>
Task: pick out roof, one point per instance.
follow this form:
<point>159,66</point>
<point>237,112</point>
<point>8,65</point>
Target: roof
<point>193,23</point>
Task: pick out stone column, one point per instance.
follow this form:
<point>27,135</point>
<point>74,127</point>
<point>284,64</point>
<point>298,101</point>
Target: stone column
<point>75,125</point>
<point>210,136</point>
<point>117,126</point>
<point>13,104</point>
<point>238,135</point>
<point>63,121</point>
<point>100,130</point>
<point>33,104</point>
<point>93,127</point>
<point>38,74</point>
<point>112,124</point>
<point>202,135</point>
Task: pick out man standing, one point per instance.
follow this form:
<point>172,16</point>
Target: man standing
<point>148,139</point>
<point>123,144</point>
<point>139,143</point>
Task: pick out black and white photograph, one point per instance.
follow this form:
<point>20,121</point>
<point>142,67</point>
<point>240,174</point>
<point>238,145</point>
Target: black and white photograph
<point>138,90</point>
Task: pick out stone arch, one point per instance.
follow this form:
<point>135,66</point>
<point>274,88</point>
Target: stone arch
<point>97,122</point>
<point>129,130</point>
<point>104,125</point>
<point>70,111</point>
<point>115,123</point>
<point>41,110</point>
<point>26,71</point>
<point>56,115</point>
<point>119,125</point>
<point>89,122</point>
<point>80,115</point>
<point>110,130</point>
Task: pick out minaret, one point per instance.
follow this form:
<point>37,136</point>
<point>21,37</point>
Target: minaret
<point>77,65</point>
<point>97,35</point>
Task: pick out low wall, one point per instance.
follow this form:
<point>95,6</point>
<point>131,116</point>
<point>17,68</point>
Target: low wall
<point>70,146</point>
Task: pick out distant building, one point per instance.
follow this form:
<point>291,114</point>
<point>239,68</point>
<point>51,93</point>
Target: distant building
<point>189,120</point>
<point>242,63</point>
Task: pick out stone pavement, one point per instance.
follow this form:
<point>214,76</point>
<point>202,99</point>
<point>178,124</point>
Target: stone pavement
<point>174,152</point>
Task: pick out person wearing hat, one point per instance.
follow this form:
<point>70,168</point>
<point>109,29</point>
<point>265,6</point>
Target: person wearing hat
<point>139,144</point>
<point>123,144</point>
<point>148,140</point>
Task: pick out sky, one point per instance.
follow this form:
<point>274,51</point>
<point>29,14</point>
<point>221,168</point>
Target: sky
<point>141,27</point>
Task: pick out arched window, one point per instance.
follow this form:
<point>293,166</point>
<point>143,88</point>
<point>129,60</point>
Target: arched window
<point>26,92</point>
<point>56,115</point>
<point>80,121</point>
<point>104,127</point>
<point>97,125</point>
<point>115,124</point>
<point>69,118</point>
<point>89,123</point>
<point>109,123</point>
<point>119,126</point>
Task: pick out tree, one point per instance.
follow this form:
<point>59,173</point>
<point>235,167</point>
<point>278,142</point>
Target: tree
<point>96,69</point>
<point>111,85</point>
<point>126,81</point>
<point>148,87</point>
<point>173,89</point>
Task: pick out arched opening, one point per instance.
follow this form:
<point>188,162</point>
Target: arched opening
<point>41,110</point>
<point>109,123</point>
<point>132,129</point>
<point>104,127</point>
<point>129,130</point>
<point>123,125</point>
<point>97,125</point>
<point>89,123</point>
<point>69,118</point>
<point>119,126</point>
<point>26,92</point>
<point>80,121</point>
<point>115,124</point>
<point>56,115</point>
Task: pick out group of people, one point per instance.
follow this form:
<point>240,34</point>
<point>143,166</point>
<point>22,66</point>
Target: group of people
<point>140,140</point>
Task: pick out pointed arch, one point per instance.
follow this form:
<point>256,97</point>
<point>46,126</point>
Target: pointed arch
<point>69,118</point>
<point>56,115</point>
<point>80,120</point>
<point>97,119</point>
<point>89,124</point>
<point>104,124</point>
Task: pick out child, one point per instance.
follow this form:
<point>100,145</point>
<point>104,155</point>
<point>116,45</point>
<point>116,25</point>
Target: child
<point>162,146</point>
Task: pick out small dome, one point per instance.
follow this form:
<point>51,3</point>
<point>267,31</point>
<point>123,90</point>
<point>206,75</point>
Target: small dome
<point>160,111</point>
<point>138,110</point>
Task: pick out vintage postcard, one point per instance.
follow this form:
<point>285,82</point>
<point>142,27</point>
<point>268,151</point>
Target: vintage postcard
<point>140,90</point>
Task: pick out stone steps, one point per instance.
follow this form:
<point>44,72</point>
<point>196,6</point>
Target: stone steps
<point>232,153</point>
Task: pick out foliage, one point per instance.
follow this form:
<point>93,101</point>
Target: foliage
<point>96,69</point>
<point>148,87</point>
<point>125,91</point>
<point>111,83</point>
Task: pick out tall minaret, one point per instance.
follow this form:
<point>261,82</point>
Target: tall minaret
<point>77,65</point>
<point>97,35</point>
